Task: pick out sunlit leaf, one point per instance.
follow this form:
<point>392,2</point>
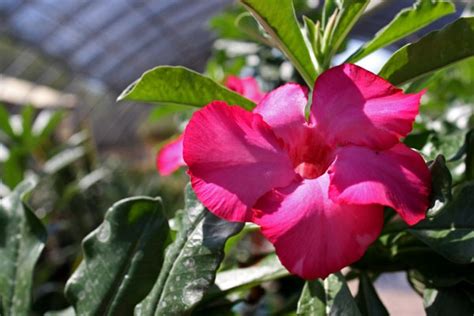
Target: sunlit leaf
<point>279,21</point>
<point>122,258</point>
<point>191,261</point>
<point>434,51</point>
<point>405,23</point>
<point>348,14</point>
<point>180,86</point>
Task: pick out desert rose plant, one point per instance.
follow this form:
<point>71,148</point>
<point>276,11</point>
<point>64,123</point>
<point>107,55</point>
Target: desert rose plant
<point>334,169</point>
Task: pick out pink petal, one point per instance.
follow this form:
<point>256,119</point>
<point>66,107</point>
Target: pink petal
<point>233,159</point>
<point>284,110</point>
<point>248,87</point>
<point>314,236</point>
<point>354,106</point>
<point>397,177</point>
<point>170,157</point>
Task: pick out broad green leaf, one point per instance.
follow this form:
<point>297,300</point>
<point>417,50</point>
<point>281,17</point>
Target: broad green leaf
<point>191,261</point>
<point>405,23</point>
<point>279,21</point>
<point>434,51</point>
<point>451,233</point>
<point>180,86</point>
<point>22,238</point>
<point>447,301</point>
<point>161,111</point>
<point>348,13</point>
<point>441,182</point>
<point>328,297</point>
<point>367,299</point>
<point>122,258</point>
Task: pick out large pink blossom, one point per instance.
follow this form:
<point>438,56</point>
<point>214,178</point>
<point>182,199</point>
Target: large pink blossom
<point>170,157</point>
<point>316,187</point>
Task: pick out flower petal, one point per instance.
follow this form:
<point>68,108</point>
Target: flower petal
<point>248,87</point>
<point>314,236</point>
<point>170,157</point>
<point>284,110</point>
<point>354,106</point>
<point>233,159</point>
<point>397,177</point>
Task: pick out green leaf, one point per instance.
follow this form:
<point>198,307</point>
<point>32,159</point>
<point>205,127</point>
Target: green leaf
<point>349,13</point>
<point>27,124</point>
<point>441,182</point>
<point>191,261</point>
<point>45,125</point>
<point>266,270</point>
<point>279,21</point>
<point>5,122</point>
<point>161,111</point>
<point>404,23</point>
<point>247,24</point>
<point>22,238</point>
<point>434,51</point>
<point>122,258</point>
<point>451,233</point>
<point>447,301</point>
<point>329,297</point>
<point>180,86</point>
<point>367,299</point>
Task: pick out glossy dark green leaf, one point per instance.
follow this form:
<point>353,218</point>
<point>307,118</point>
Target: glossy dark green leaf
<point>447,301</point>
<point>122,258</point>
<point>434,51</point>
<point>22,238</point>
<point>348,14</point>
<point>451,233</point>
<point>191,261</point>
<point>279,21</point>
<point>441,182</point>
<point>367,299</point>
<point>405,23</point>
<point>329,297</point>
<point>181,86</point>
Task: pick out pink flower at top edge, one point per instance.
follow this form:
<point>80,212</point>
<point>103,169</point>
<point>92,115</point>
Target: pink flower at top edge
<point>316,187</point>
<point>170,157</point>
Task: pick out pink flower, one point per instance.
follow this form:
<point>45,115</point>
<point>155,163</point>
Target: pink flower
<point>316,187</point>
<point>170,157</point>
